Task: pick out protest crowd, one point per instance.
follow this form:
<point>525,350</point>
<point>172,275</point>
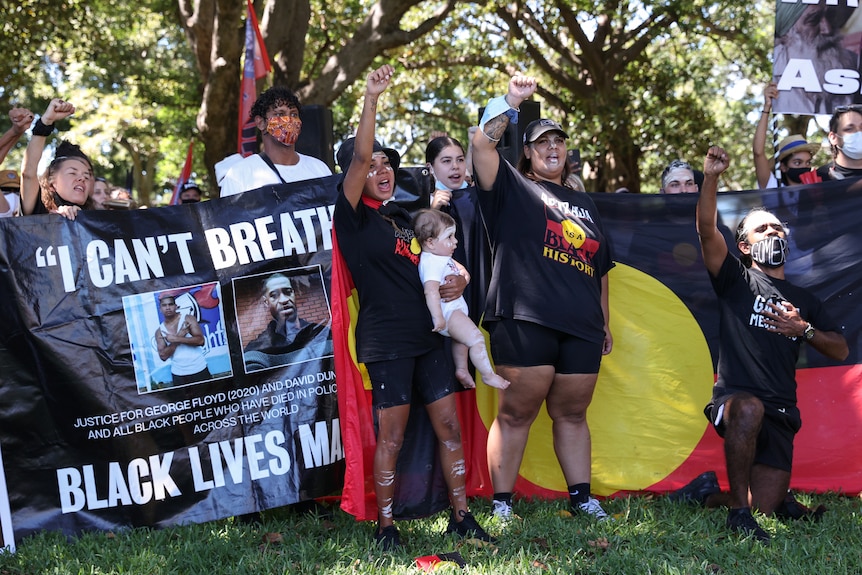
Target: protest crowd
<point>415,334</point>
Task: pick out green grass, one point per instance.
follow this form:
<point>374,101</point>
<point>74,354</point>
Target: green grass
<point>648,536</point>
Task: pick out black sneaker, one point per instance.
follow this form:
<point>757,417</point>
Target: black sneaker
<point>468,527</point>
<point>790,508</point>
<point>387,539</point>
<point>741,521</point>
<point>697,490</point>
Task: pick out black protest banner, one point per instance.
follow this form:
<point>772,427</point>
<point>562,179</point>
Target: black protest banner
<point>169,365</point>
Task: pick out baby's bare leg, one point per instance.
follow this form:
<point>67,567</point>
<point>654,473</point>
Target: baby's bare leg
<point>463,330</point>
<point>462,368</point>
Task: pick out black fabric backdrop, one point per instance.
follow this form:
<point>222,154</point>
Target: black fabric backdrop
<point>67,356</point>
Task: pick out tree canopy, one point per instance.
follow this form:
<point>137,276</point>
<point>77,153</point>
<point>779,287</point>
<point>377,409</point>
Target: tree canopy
<point>636,83</point>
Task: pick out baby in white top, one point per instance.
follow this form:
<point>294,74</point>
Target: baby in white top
<point>435,232</point>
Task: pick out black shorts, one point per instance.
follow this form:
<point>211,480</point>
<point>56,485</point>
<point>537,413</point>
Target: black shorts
<point>775,441</point>
<point>202,375</point>
<point>519,343</point>
<point>429,376</point>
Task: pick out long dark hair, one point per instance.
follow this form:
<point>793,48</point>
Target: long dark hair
<point>435,146</point>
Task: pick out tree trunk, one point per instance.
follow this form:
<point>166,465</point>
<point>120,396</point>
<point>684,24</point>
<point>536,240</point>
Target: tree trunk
<point>215,31</point>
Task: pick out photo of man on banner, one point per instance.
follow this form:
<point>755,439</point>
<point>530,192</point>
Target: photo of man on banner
<point>177,337</point>
<point>283,318</point>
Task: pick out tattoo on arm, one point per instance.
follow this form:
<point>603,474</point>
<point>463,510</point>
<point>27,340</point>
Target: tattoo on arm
<point>496,127</point>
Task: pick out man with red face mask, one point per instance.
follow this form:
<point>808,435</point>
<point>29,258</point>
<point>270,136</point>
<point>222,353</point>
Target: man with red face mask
<point>276,115</point>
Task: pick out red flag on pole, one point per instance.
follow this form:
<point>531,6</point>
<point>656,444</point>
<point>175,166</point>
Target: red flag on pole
<point>256,66</point>
<point>184,175</point>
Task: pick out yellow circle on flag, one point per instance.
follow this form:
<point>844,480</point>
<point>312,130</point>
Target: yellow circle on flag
<point>646,416</point>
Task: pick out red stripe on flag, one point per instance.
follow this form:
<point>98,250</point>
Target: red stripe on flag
<point>354,409</point>
<point>827,450</point>
<point>184,175</point>
<point>256,66</point>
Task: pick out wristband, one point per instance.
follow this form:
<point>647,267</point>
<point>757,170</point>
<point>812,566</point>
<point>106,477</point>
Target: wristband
<point>41,129</point>
<point>512,114</point>
<point>496,107</point>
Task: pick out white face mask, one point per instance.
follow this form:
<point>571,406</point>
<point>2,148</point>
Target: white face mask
<point>770,252</point>
<point>852,147</point>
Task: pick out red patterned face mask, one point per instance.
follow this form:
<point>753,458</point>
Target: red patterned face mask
<point>285,129</point>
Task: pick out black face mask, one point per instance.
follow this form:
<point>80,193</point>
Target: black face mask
<point>792,175</point>
<point>770,252</point>
<point>189,201</point>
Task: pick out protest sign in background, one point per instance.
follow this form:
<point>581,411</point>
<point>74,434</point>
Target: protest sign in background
<point>816,56</point>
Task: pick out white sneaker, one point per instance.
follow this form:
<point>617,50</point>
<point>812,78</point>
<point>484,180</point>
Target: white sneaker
<point>592,507</point>
<point>502,510</point>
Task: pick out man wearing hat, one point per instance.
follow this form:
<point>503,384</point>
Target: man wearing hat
<point>10,185</point>
<point>276,115</point>
<point>794,154</point>
<point>190,193</point>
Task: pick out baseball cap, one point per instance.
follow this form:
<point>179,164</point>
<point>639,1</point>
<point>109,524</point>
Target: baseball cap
<point>538,127</point>
<point>345,154</point>
<point>9,179</point>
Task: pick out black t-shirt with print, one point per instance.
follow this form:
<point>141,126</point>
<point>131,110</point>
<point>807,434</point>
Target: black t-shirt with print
<point>751,357</point>
<point>833,171</point>
<point>550,251</point>
<point>394,321</point>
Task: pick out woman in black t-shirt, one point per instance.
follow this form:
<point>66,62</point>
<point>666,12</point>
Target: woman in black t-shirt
<point>394,337</point>
<point>547,305</point>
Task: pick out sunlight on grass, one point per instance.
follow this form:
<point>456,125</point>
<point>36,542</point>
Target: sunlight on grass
<point>649,535</point>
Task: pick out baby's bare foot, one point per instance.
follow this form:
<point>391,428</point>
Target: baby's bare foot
<point>495,380</point>
<point>463,376</point>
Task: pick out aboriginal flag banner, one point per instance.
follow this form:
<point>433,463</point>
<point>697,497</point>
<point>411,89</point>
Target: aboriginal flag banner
<point>147,376</point>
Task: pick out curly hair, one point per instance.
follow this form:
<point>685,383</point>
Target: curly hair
<point>273,98</point>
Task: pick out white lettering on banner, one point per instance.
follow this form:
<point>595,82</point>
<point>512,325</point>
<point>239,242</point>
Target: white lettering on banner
<point>134,259</point>
<point>79,488</point>
<point>142,261</point>
<point>800,73</point>
<point>145,480</point>
<point>47,258</point>
<point>246,242</point>
<point>319,447</point>
<point>231,452</point>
